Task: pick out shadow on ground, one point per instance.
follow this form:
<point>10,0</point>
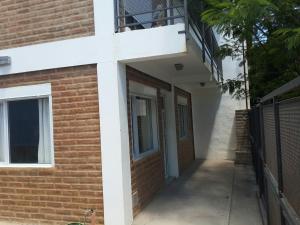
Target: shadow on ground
<point>209,193</point>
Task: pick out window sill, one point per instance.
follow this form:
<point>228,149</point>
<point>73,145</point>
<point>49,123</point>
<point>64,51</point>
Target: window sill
<point>183,138</point>
<point>145,155</point>
<point>38,166</point>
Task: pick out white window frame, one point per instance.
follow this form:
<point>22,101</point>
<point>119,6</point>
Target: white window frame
<point>139,90</point>
<point>23,93</point>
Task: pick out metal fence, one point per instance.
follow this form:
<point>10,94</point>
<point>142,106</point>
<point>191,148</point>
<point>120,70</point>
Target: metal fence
<point>206,36</point>
<point>145,14</point>
<point>275,137</point>
<point>137,14</point>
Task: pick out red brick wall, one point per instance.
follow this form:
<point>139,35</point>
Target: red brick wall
<point>147,174</point>
<point>38,21</point>
<point>185,146</point>
<point>60,195</point>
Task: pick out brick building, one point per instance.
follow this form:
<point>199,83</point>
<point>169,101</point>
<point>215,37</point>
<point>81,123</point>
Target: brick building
<point>96,105</point>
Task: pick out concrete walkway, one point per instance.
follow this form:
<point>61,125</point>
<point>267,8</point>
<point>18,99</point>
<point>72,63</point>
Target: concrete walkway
<point>211,193</point>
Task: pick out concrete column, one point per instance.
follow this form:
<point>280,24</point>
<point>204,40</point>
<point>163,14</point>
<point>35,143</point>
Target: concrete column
<point>171,135</point>
<point>116,171</point>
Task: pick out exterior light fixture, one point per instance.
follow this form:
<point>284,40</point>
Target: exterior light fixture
<point>5,60</point>
<point>202,84</point>
<point>179,66</point>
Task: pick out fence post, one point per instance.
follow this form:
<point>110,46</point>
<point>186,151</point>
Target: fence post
<point>262,134</point>
<point>278,153</point>
<point>278,143</point>
<point>255,134</point>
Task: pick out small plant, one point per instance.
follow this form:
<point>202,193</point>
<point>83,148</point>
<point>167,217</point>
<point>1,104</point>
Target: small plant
<point>87,213</point>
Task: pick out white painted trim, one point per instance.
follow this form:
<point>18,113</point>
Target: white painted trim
<point>145,155</point>
<point>58,54</point>
<point>51,131</point>
<point>4,165</point>
<point>6,133</point>
<point>29,91</point>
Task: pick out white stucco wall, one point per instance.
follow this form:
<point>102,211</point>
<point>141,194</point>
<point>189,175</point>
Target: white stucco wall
<point>214,117</point>
<point>214,123</point>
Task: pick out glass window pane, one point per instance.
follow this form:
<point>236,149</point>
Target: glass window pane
<point>144,123</point>
<point>183,120</point>
<point>24,131</point>
<point>2,159</point>
<point>186,120</point>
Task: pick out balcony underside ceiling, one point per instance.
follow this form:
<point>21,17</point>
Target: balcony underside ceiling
<point>194,71</point>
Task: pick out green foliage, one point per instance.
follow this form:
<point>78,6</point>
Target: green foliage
<point>290,36</point>
<point>236,19</point>
<point>235,87</point>
<point>271,29</point>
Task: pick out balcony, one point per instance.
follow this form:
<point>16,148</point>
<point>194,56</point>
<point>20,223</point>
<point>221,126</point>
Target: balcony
<point>147,14</point>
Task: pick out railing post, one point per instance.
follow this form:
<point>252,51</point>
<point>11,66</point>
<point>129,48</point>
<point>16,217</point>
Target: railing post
<point>186,18</point>
<point>278,153</point>
<point>171,4</point>
<point>203,44</point>
<point>211,51</point>
<point>202,35</point>
<point>116,6</point>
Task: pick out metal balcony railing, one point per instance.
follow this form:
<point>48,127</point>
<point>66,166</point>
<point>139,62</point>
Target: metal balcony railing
<point>145,14</point>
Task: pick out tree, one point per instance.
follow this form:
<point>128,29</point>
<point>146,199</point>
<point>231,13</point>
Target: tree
<point>271,31</point>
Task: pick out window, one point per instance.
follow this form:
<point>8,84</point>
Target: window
<point>144,125</point>
<point>25,126</point>
<point>183,120</point>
